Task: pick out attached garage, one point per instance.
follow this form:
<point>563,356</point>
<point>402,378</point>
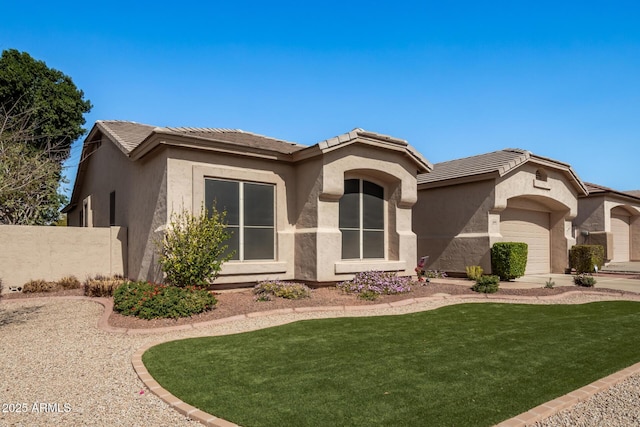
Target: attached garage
<point>531,227</point>
<point>620,229</point>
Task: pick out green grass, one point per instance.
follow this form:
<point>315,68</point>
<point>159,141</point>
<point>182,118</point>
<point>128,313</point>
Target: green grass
<point>462,365</point>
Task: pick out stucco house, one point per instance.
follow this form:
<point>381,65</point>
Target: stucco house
<point>610,218</point>
<point>466,205</point>
<point>313,213</point>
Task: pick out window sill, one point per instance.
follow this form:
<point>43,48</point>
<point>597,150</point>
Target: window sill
<point>252,267</point>
<point>541,184</point>
<point>346,267</point>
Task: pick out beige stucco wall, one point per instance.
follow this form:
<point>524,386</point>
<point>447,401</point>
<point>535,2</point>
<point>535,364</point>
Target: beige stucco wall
<point>187,170</point>
<point>51,253</point>
<point>457,224</point>
<point>140,201</point>
<point>319,240</point>
<point>593,223</point>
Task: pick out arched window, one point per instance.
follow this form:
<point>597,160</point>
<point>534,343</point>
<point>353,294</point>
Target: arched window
<point>362,220</point>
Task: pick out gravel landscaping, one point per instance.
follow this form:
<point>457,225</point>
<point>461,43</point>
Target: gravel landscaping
<point>61,369</point>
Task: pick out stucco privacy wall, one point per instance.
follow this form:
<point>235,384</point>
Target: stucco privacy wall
<point>51,253</point>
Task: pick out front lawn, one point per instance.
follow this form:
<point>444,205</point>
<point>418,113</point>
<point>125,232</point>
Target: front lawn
<point>461,365</point>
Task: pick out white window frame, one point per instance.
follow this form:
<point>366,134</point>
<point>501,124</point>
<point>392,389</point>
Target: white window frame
<point>241,226</point>
<point>361,229</point>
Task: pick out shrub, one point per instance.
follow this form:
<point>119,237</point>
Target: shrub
<point>487,284</point>
<point>192,251</point>
<point>474,272</point>
<point>33,286</point>
<point>371,284</point>
<point>150,300</point>
<point>102,286</point>
<point>435,274</point>
<point>265,290</point>
<point>586,280</point>
<point>509,259</point>
<point>69,282</point>
<point>549,283</point>
<point>585,258</point>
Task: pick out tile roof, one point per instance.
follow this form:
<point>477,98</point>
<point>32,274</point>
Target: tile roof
<point>500,162</point>
<point>599,189</point>
<point>131,134</point>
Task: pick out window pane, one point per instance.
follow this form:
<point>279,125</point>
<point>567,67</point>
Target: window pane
<point>258,243</point>
<point>258,204</point>
<point>226,195</point>
<point>349,211</point>
<point>350,244</point>
<point>373,244</point>
<point>233,244</point>
<point>351,186</point>
<point>373,208</point>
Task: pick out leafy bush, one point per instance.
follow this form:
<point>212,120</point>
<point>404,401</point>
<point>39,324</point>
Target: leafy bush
<point>69,282</point>
<point>474,272</point>
<point>102,286</point>
<point>150,301</point>
<point>585,258</point>
<point>584,280</point>
<point>39,285</point>
<point>265,290</point>
<point>509,259</point>
<point>192,250</point>
<point>371,284</point>
<point>487,284</point>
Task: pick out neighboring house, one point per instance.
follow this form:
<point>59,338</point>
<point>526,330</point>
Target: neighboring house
<point>318,213</point>
<point>466,205</point>
<point>612,219</point>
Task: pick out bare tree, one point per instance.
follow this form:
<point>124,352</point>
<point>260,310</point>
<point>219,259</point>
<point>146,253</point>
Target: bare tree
<point>29,177</point>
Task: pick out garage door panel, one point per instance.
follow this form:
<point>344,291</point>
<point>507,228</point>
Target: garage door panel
<point>532,228</point>
<point>620,230</point>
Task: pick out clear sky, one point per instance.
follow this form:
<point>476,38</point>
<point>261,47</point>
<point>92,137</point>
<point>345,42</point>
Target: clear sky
<point>454,78</point>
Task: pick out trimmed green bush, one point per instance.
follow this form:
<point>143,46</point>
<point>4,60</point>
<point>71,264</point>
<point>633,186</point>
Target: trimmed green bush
<point>474,272</point>
<point>584,258</point>
<point>586,280</point>
<point>151,301</point>
<point>193,250</point>
<point>487,284</point>
<point>509,259</point>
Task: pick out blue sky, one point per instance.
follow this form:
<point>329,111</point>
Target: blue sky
<point>455,79</point>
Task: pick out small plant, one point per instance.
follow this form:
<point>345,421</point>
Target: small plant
<point>39,285</point>
<point>102,286</point>
<point>268,289</point>
<point>487,284</point>
<point>549,283</point>
<point>69,282</point>
<point>474,272</point>
<point>586,280</point>
<point>192,251</point>
<point>151,300</point>
<point>371,284</point>
<point>435,274</point>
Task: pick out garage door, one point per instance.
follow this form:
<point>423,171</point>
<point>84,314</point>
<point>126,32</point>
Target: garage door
<point>620,231</point>
<point>532,228</point>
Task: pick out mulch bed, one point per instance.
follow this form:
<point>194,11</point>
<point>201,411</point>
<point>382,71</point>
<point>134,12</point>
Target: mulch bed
<point>232,303</point>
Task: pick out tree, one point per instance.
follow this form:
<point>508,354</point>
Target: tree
<point>55,105</point>
<point>29,177</point>
<point>41,115</point>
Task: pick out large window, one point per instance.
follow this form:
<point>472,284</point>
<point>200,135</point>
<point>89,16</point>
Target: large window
<point>250,216</point>
<point>362,220</point>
